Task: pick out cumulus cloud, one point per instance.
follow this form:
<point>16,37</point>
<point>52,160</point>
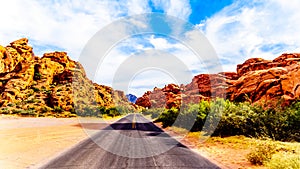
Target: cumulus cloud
<point>177,8</point>
<point>253,29</point>
<point>66,25</point>
<point>173,57</point>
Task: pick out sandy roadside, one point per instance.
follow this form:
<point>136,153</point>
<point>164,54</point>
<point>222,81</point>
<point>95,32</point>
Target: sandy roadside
<point>225,156</point>
<point>26,142</point>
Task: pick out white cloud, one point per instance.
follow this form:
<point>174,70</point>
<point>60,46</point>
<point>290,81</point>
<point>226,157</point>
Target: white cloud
<point>137,7</point>
<point>176,8</point>
<point>254,29</point>
<point>147,80</point>
<point>173,57</point>
<point>65,24</point>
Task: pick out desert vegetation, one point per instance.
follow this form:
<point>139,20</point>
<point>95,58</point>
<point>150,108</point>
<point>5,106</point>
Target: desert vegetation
<point>253,120</point>
<point>263,121</point>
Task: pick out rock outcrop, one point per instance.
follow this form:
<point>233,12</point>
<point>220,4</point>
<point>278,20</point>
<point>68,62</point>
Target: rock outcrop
<point>262,80</point>
<point>53,85</point>
<point>256,80</point>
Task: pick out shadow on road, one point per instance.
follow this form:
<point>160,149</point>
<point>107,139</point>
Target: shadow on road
<point>134,126</point>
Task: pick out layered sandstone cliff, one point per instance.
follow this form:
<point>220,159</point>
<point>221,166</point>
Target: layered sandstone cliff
<point>256,80</point>
<point>51,85</point>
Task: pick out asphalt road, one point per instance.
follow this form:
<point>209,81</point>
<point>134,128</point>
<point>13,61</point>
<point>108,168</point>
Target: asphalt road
<point>131,142</point>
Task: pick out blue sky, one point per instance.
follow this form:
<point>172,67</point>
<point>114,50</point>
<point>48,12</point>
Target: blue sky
<point>237,29</point>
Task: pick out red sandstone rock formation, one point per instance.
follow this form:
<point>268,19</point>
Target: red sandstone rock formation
<point>256,80</point>
<point>51,85</point>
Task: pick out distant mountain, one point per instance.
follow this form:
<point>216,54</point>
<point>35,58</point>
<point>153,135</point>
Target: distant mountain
<point>132,98</point>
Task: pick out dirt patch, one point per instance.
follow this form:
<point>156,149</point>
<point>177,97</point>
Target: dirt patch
<point>227,153</point>
<point>25,142</point>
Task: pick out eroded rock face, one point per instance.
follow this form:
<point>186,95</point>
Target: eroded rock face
<point>256,80</point>
<point>144,101</point>
<point>268,80</point>
<point>51,85</point>
<point>12,55</point>
<point>202,87</point>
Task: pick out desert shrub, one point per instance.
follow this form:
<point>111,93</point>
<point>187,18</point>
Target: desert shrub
<point>29,112</point>
<point>4,111</point>
<point>192,116</point>
<point>37,76</point>
<point>262,153</point>
<point>284,160</point>
<point>214,116</point>
<point>124,110</point>
<point>16,111</point>
<point>168,117</point>
<point>11,104</point>
<point>58,109</point>
<point>225,118</point>
<point>292,127</point>
<point>45,109</point>
<point>87,111</point>
<point>113,111</point>
<point>154,112</point>
<point>102,109</point>
<point>275,122</point>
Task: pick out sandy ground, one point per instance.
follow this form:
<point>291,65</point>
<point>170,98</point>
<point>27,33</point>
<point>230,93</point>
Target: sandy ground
<point>227,156</point>
<point>25,142</point>
<point>30,142</point>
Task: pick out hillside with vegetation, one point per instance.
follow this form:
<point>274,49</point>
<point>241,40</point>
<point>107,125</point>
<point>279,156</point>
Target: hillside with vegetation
<point>52,85</point>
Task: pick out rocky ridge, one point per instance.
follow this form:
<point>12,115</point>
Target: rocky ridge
<point>53,85</point>
<point>256,80</point>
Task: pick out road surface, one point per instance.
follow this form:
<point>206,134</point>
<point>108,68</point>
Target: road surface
<point>131,142</point>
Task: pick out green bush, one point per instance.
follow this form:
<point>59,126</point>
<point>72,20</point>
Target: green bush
<point>154,112</point>
<point>37,76</point>
<point>29,112</point>
<point>11,104</point>
<point>4,111</point>
<point>58,109</point>
<point>16,111</point>
<point>45,109</point>
<point>99,111</point>
<point>224,118</point>
<point>168,117</point>
<point>124,110</point>
<point>113,111</point>
<point>102,109</point>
